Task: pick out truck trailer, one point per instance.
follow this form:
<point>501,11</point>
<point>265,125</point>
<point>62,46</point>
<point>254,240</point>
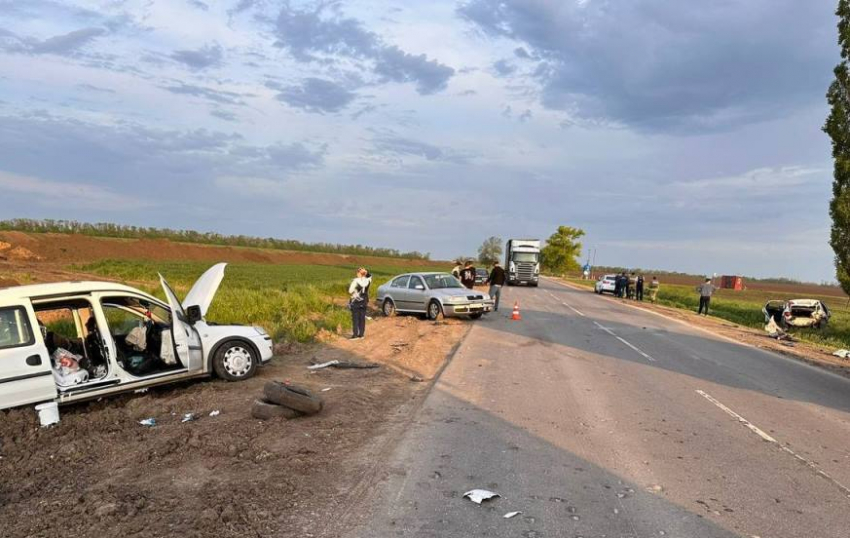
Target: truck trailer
<point>522,261</point>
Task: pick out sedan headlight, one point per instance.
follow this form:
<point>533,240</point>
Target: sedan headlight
<point>455,298</point>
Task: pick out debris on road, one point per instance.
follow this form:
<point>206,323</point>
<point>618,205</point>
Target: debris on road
<point>511,514</point>
<point>322,365</point>
<point>479,495</point>
<point>264,410</point>
<point>148,422</point>
<point>326,389</point>
<point>285,400</point>
<point>843,353</point>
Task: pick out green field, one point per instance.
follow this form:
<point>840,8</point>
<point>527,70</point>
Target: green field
<point>292,302</point>
<point>744,308</point>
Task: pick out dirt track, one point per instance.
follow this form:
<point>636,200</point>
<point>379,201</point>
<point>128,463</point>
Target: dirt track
<point>99,473</point>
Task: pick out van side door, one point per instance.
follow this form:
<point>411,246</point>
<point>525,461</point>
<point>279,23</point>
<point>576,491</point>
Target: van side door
<point>25,369</point>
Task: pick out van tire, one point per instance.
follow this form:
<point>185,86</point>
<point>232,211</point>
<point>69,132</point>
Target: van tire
<point>229,361</point>
<point>292,396</point>
<point>264,410</point>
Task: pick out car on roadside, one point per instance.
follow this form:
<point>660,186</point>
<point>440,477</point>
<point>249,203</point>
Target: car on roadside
<point>73,341</point>
<point>481,276</point>
<point>606,283</point>
<point>797,313</point>
<point>432,294</point>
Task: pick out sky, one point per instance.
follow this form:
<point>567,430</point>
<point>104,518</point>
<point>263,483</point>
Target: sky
<point>679,135</point>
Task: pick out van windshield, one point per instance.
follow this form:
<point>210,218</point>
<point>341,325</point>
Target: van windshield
<point>528,257</point>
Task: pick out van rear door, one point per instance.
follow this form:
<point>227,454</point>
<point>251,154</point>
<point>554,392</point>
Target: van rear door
<point>25,375</point>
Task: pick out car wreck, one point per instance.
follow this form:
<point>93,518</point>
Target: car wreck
<point>797,313</point>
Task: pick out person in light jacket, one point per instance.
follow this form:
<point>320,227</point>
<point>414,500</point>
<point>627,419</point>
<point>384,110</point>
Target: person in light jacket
<point>705,290</point>
<point>358,292</point>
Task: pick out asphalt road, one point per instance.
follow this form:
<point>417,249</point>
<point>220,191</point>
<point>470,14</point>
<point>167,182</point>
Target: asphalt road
<point>596,419</point>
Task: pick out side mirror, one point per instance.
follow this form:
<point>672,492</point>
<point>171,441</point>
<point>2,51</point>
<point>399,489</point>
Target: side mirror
<point>193,314</point>
<point>420,287</point>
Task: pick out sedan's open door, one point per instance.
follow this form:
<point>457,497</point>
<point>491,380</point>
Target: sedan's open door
<point>187,343</point>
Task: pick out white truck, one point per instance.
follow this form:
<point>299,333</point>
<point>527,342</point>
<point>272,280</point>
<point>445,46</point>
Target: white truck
<point>522,261</point>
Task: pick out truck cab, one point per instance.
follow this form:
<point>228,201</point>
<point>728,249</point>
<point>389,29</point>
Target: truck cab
<point>522,262</point>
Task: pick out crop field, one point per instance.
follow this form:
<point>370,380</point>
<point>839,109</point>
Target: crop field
<point>744,308</point>
<point>292,302</point>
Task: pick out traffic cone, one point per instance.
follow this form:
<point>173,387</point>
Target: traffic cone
<point>515,316</point>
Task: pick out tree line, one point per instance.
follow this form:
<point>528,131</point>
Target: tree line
<point>107,229</point>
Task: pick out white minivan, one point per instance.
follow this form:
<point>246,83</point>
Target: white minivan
<point>73,341</point>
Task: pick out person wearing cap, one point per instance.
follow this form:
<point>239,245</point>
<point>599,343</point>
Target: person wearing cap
<point>705,290</point>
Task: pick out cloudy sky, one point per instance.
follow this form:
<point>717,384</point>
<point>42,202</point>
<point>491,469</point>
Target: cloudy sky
<point>679,135</point>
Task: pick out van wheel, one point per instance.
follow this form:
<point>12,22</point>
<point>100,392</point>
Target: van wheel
<point>388,308</point>
<point>435,311</point>
<point>235,361</point>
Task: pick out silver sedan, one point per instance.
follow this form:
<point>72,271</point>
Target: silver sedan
<point>432,294</point>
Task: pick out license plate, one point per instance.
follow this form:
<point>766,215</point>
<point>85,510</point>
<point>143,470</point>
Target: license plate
<point>476,305</point>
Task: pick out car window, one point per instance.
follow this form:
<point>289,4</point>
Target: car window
<point>415,281</point>
<point>15,329</point>
<point>401,282</point>
<point>442,281</point>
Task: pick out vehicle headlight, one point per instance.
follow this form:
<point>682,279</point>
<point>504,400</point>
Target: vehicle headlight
<point>261,331</point>
<point>455,298</point>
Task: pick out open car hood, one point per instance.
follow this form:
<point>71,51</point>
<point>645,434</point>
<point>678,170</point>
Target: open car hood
<point>203,291</point>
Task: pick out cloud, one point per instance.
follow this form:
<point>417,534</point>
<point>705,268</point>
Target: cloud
<point>504,68</point>
<point>61,45</point>
<point>311,35</point>
<point>81,195</point>
<point>317,95</point>
<point>223,114</point>
<point>660,66</point>
<point>203,58</point>
<point>399,146</point>
<point>216,96</point>
<point>200,5</point>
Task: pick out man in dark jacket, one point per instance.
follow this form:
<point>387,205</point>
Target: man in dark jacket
<point>639,288</point>
<point>467,275</point>
<point>496,280</point>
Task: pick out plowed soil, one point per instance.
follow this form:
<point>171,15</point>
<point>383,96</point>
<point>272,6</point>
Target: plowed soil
<point>99,473</point>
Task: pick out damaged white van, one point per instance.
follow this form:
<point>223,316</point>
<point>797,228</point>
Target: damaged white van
<point>73,341</point>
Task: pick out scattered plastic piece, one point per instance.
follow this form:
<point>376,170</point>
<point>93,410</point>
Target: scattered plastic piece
<point>140,391</point>
<point>188,417</point>
<point>215,413</point>
<point>326,389</point>
<point>148,422</point>
<point>323,365</point>
<point>344,364</point>
<point>511,514</point>
<point>843,353</point>
<point>479,495</point>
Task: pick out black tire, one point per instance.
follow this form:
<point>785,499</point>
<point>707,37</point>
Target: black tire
<point>294,397</point>
<point>264,410</point>
<point>477,315</point>
<point>435,310</point>
<point>388,308</point>
<point>235,361</point>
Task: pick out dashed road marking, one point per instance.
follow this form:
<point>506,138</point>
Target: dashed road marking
<point>576,310</point>
<point>623,340</point>
<point>765,436</point>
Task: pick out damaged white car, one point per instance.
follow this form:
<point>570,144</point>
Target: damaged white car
<point>797,313</point>
<point>73,341</point>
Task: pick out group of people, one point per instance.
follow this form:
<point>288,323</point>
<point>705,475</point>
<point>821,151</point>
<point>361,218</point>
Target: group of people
<point>632,287</point>
<point>466,271</point>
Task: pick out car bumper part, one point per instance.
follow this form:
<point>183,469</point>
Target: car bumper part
<point>465,309</point>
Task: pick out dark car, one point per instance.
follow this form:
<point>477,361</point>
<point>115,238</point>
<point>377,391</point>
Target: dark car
<point>481,275</point>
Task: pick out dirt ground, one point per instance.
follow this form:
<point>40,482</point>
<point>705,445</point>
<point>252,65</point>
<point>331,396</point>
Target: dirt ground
<point>100,473</point>
<point>813,354</point>
<point>66,249</point>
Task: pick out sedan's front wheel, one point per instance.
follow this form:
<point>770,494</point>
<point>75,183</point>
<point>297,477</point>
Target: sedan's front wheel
<point>435,311</point>
<point>388,308</point>
<point>235,361</point>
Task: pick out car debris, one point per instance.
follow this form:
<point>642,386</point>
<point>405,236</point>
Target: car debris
<point>511,514</point>
<point>775,331</point>
<point>797,313</point>
<point>843,353</point>
<point>479,495</point>
<point>188,417</point>
<point>326,389</point>
<point>344,365</point>
<point>215,413</point>
<point>150,422</point>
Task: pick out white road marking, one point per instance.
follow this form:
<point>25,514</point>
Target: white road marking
<point>764,435</point>
<point>576,310</point>
<point>623,340</point>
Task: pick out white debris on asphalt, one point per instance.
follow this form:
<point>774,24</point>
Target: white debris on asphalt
<point>323,365</point>
<point>511,514</point>
<point>148,422</point>
<point>479,495</point>
<point>215,413</point>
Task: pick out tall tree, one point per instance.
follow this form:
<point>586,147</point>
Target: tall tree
<point>838,128</point>
<point>562,250</point>
<point>490,251</point>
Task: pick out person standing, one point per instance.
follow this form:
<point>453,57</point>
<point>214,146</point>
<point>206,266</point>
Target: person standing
<point>639,288</point>
<point>457,269</point>
<point>629,285</point>
<point>654,285</point>
<point>706,290</point>
<point>618,285</point>
<point>358,292</point>
<point>467,275</point>
<point>496,280</point>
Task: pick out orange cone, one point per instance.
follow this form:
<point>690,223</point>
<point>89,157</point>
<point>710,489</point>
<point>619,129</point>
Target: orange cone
<point>515,316</point>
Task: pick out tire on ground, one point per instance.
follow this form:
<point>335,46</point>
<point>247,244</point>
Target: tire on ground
<point>264,410</point>
<point>294,397</point>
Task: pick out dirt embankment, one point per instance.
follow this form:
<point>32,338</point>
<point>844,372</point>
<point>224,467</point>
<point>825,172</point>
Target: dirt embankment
<point>100,473</point>
<point>71,248</point>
